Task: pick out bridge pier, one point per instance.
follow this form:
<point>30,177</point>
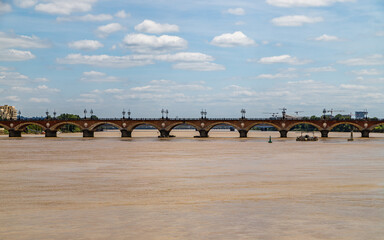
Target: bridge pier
<point>243,133</point>
<point>88,133</point>
<point>203,133</point>
<point>14,133</point>
<point>324,133</point>
<point>283,133</point>
<point>164,133</point>
<point>365,133</point>
<point>50,133</point>
<point>125,133</point>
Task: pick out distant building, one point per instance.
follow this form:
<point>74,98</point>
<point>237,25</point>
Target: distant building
<point>360,115</point>
<point>8,112</point>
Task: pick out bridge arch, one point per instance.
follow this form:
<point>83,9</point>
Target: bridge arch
<point>263,123</point>
<point>94,126</point>
<point>209,127</point>
<point>59,125</point>
<point>135,125</point>
<point>375,125</point>
<point>347,123</point>
<point>22,126</point>
<point>172,126</point>
<point>319,128</point>
<point>5,126</point>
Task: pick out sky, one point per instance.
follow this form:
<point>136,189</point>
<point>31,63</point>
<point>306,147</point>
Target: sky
<point>184,56</point>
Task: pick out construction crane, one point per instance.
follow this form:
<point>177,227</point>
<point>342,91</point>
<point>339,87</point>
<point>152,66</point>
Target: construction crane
<point>297,113</point>
<point>331,111</point>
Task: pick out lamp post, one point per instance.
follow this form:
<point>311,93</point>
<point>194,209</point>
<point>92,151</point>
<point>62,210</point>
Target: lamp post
<point>162,113</point>
<point>54,114</point>
<point>85,113</point>
<point>324,112</point>
<point>243,113</point>
<point>202,113</point>
<point>205,113</point>
<point>19,114</point>
<point>129,114</point>
<point>123,113</point>
<point>166,113</point>
<point>91,114</point>
<point>47,113</point>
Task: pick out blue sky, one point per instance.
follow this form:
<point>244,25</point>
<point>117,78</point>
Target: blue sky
<point>222,56</point>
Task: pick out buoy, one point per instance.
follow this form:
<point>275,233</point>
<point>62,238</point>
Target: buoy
<point>270,139</point>
<point>351,139</point>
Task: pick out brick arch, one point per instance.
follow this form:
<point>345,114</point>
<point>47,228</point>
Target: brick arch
<point>263,123</point>
<point>346,122</point>
<point>5,126</point>
<point>21,126</point>
<point>58,125</point>
<point>209,127</point>
<point>94,126</point>
<point>289,127</point>
<point>172,126</point>
<point>134,126</point>
<point>375,125</point>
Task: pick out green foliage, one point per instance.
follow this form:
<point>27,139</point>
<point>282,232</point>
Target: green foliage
<point>379,129</point>
<point>67,116</point>
<point>304,128</point>
<point>33,129</point>
<point>68,127</point>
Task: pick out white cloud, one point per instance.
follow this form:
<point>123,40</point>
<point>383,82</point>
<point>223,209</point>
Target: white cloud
<point>149,26</point>
<point>295,20</point>
<point>86,45</point>
<point>380,34</point>
<point>122,14</point>
<point>39,100</point>
<point>21,41</point>
<point>13,55</point>
<point>239,23</point>
<point>12,78</point>
<point>367,72</point>
<point>12,98</point>
<point>190,61</point>
<point>232,39</point>
<point>199,66</point>
<point>105,30</point>
<point>38,89</point>
<point>167,86</point>
<point>304,3</point>
<point>274,76</point>
<point>327,38</point>
<point>24,3</point>
<point>5,7</point>
<point>65,7</point>
<point>147,43</point>
<point>236,11</point>
<point>113,90</point>
<point>353,87</point>
<point>86,18</point>
<point>283,59</point>
<point>94,76</point>
<point>106,60</point>
<point>322,69</point>
<point>376,59</point>
<point>41,79</point>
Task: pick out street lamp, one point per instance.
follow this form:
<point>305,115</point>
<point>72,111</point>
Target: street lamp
<point>202,113</point>
<point>85,113</point>
<point>19,114</point>
<point>166,113</point>
<point>243,113</point>
<point>54,114</point>
<point>47,113</point>
<point>123,113</point>
<point>91,113</point>
<point>324,112</point>
<point>129,114</point>
<point>205,113</point>
<point>162,113</point>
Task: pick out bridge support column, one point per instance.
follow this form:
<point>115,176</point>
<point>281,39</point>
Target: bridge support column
<point>50,133</point>
<point>324,133</point>
<point>203,133</point>
<point>243,133</point>
<point>365,133</point>
<point>283,133</point>
<point>88,133</point>
<point>164,133</point>
<point>14,133</point>
<point>125,133</point>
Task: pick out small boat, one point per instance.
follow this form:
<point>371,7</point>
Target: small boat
<point>307,138</point>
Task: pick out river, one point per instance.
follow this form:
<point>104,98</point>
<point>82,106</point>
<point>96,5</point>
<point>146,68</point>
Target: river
<point>222,187</point>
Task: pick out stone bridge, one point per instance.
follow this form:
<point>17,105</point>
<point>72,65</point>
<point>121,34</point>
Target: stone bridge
<point>202,125</point>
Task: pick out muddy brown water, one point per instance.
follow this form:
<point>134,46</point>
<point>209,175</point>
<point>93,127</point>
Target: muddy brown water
<point>185,188</point>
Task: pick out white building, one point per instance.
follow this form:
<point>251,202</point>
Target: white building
<point>8,112</point>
